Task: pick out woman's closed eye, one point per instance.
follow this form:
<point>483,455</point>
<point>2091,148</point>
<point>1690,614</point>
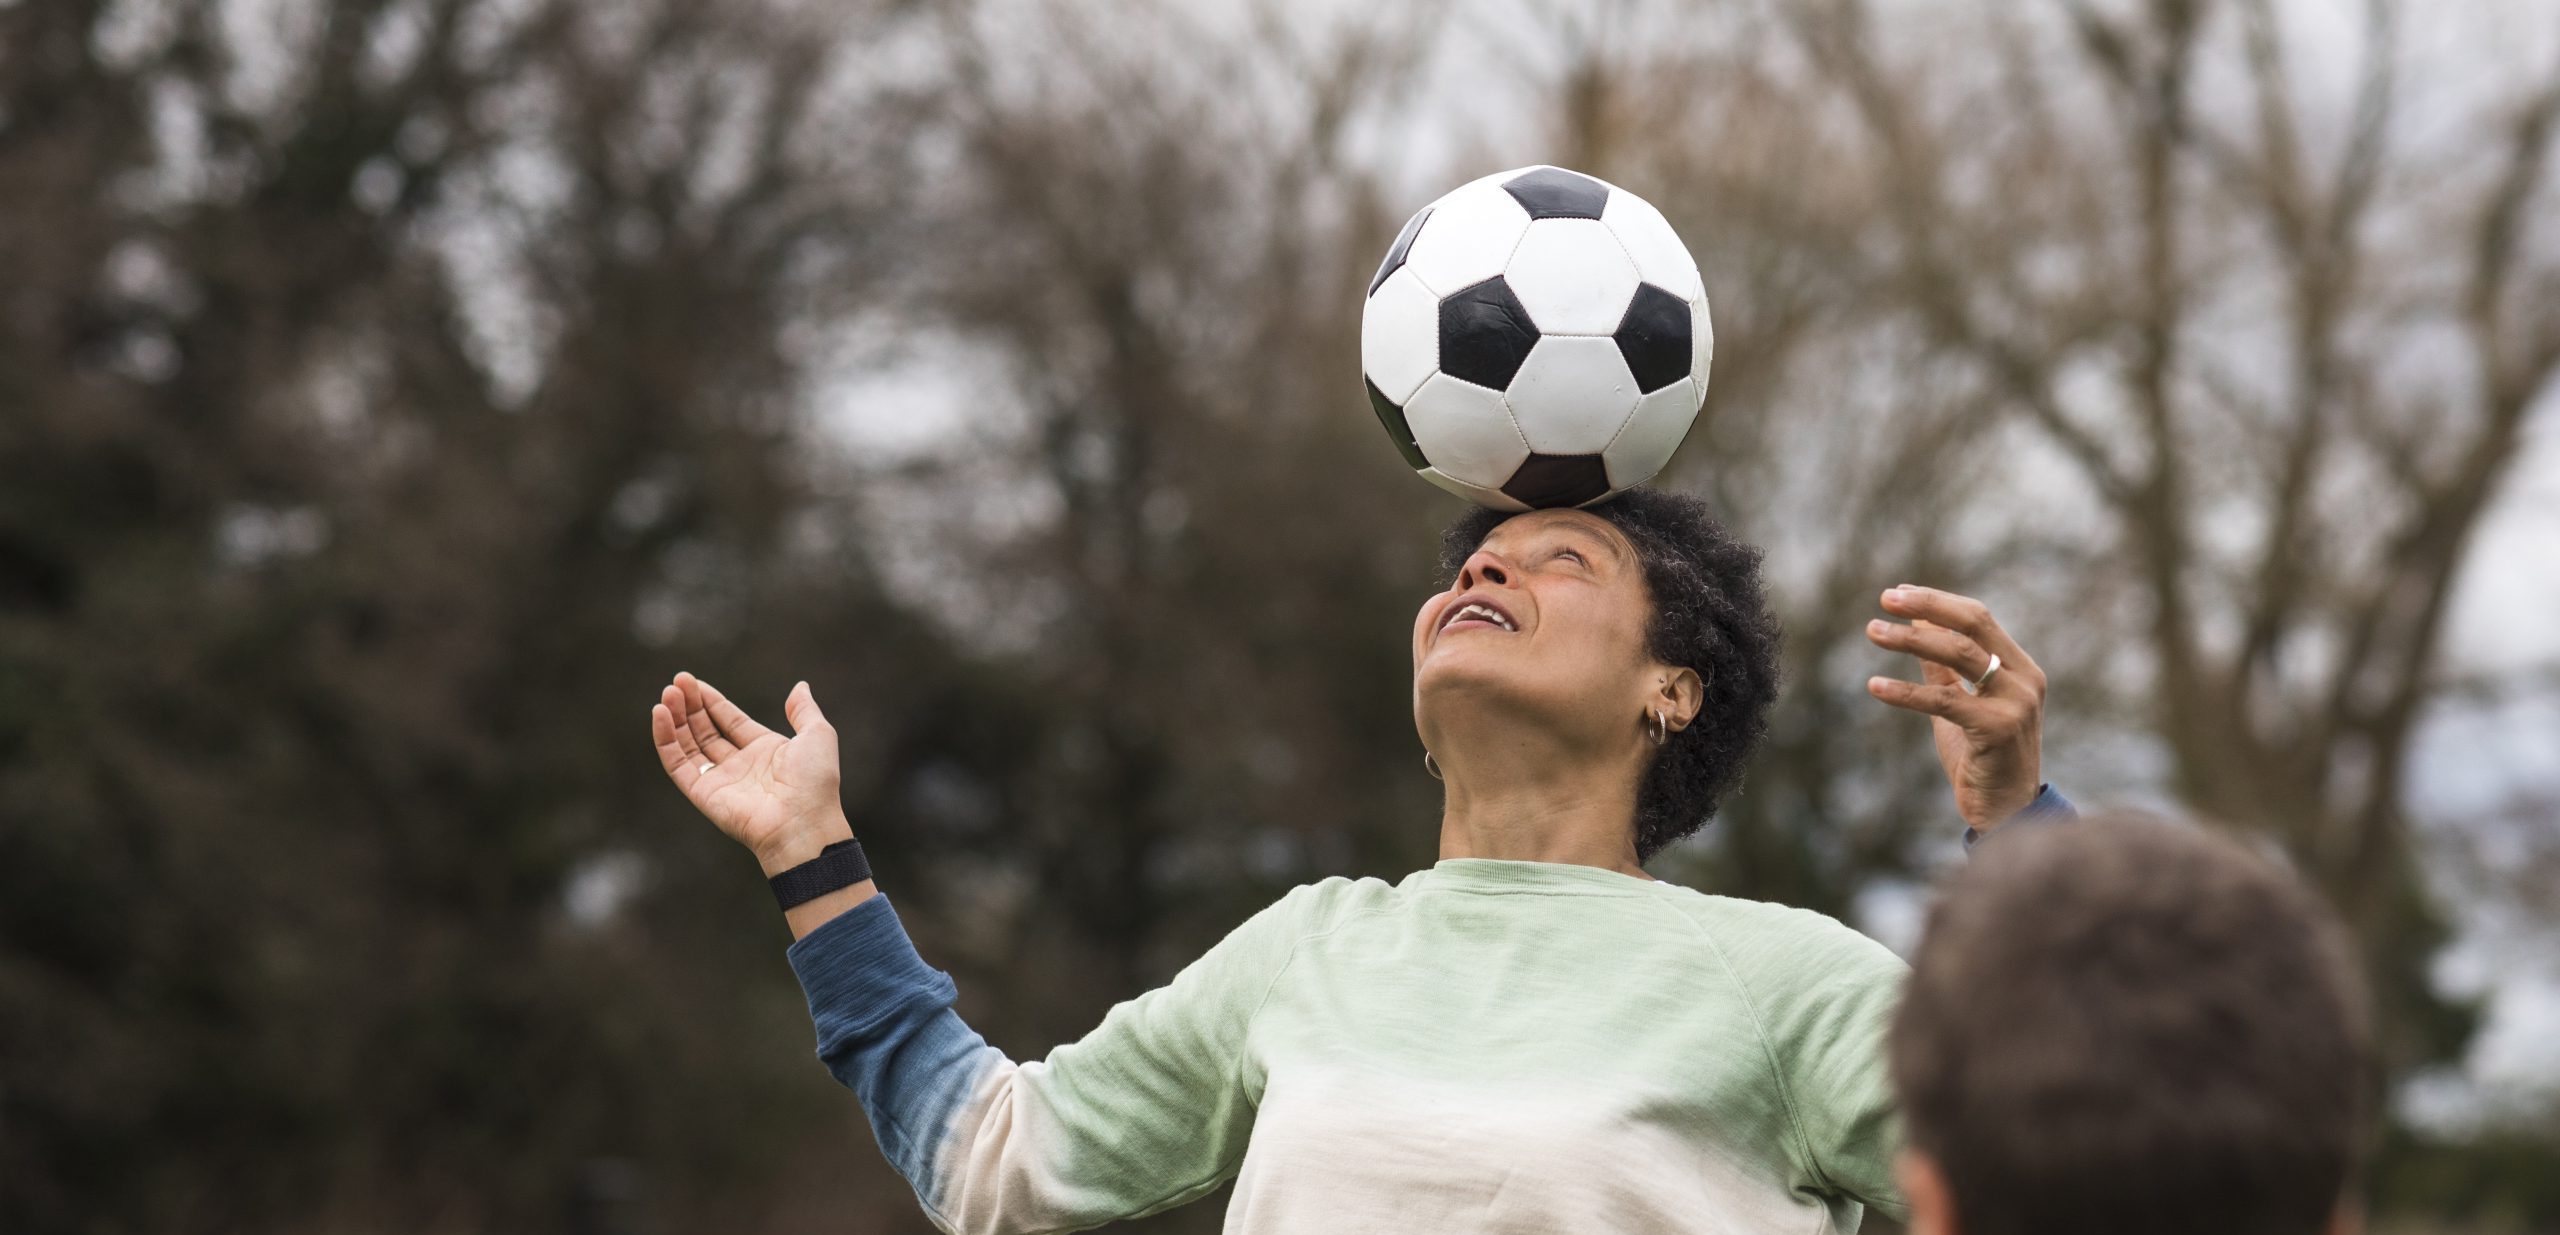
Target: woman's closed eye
<point>1575,554</point>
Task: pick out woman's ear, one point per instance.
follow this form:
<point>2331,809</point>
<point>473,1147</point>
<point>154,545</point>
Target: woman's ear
<point>1680,693</point>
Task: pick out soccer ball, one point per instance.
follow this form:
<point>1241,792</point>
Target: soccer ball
<point>1536,338</point>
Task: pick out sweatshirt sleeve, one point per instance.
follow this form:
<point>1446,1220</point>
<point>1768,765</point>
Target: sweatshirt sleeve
<point>1827,998</point>
<point>1145,1112</point>
<point>2049,806</point>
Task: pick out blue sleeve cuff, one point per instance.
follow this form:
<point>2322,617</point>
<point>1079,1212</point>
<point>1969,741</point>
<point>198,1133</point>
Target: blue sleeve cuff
<point>860,969</point>
<point>886,1030</point>
<point>2049,806</point>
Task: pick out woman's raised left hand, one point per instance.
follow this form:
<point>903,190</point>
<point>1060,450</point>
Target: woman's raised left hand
<point>1989,742</point>
<point>775,795</point>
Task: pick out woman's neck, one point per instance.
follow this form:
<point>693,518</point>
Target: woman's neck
<point>1532,806</point>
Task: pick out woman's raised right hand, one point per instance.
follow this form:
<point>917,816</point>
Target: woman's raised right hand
<point>777,796</point>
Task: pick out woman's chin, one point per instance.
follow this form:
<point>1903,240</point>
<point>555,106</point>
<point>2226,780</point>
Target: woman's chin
<point>1470,672</point>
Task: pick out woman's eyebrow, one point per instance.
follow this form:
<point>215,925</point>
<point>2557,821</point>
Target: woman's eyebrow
<point>1576,529</point>
<point>1587,534</point>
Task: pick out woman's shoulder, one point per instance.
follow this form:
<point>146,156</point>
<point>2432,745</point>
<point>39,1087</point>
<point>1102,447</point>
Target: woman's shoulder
<point>1757,934</point>
<point>1274,931</point>
<point>1319,907</point>
<point>1325,902</point>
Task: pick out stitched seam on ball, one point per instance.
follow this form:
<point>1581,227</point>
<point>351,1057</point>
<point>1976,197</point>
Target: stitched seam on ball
<point>1523,238</point>
<point>1622,425</point>
<point>1639,265</point>
<point>1621,242</point>
<point>1641,396</point>
<point>1512,418</point>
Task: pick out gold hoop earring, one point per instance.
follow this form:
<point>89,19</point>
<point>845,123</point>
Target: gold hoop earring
<point>1432,768</point>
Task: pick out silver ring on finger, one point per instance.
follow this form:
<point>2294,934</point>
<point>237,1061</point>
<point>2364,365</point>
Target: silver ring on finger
<point>1983,683</point>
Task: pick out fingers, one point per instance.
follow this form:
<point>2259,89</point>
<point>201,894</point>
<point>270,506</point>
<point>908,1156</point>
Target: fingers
<point>684,766</point>
<point>1976,714</point>
<point>801,709</point>
<point>1972,619</point>
<point>697,718</point>
<point>695,726</point>
<point>733,722</point>
<point>672,699</point>
<point>1951,655</point>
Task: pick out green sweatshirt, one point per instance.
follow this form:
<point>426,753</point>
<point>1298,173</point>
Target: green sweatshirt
<point>1485,1045</point>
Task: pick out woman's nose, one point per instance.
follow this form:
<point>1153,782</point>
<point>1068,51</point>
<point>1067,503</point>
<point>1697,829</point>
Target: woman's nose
<point>1484,565</point>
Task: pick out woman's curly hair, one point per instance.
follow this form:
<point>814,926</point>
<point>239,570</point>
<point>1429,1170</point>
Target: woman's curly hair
<point>1710,615</point>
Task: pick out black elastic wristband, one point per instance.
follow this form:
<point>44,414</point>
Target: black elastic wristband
<point>839,865</point>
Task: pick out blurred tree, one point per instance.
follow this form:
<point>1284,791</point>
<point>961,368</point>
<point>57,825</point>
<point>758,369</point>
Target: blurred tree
<point>2287,413</point>
<point>2283,347</point>
<point>389,397</point>
<point>392,394</point>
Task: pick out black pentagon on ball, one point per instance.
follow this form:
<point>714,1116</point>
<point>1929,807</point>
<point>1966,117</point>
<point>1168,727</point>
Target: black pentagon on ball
<point>1397,430</point>
<point>1554,193</point>
<point>1485,334</point>
<point>1396,251</point>
<point>1654,337</point>
<point>1546,481</point>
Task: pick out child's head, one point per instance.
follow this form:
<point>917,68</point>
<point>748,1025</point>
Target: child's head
<point>2123,1026</point>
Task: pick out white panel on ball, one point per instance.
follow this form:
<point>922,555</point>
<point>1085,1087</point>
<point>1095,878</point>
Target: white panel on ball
<point>1702,340</point>
<point>1572,394</point>
<point>1572,276</point>
<point>1661,419</point>
<point>1659,256</point>
<point>1465,431</point>
<point>1470,234</point>
<point>1400,336</point>
<point>1479,494</point>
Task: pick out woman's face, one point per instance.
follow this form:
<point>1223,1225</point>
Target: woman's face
<point>1569,647</point>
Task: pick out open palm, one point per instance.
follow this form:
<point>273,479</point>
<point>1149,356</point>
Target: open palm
<point>760,787</point>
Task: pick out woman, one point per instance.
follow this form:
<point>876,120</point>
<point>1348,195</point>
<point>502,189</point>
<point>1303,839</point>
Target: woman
<point>1533,1034</point>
